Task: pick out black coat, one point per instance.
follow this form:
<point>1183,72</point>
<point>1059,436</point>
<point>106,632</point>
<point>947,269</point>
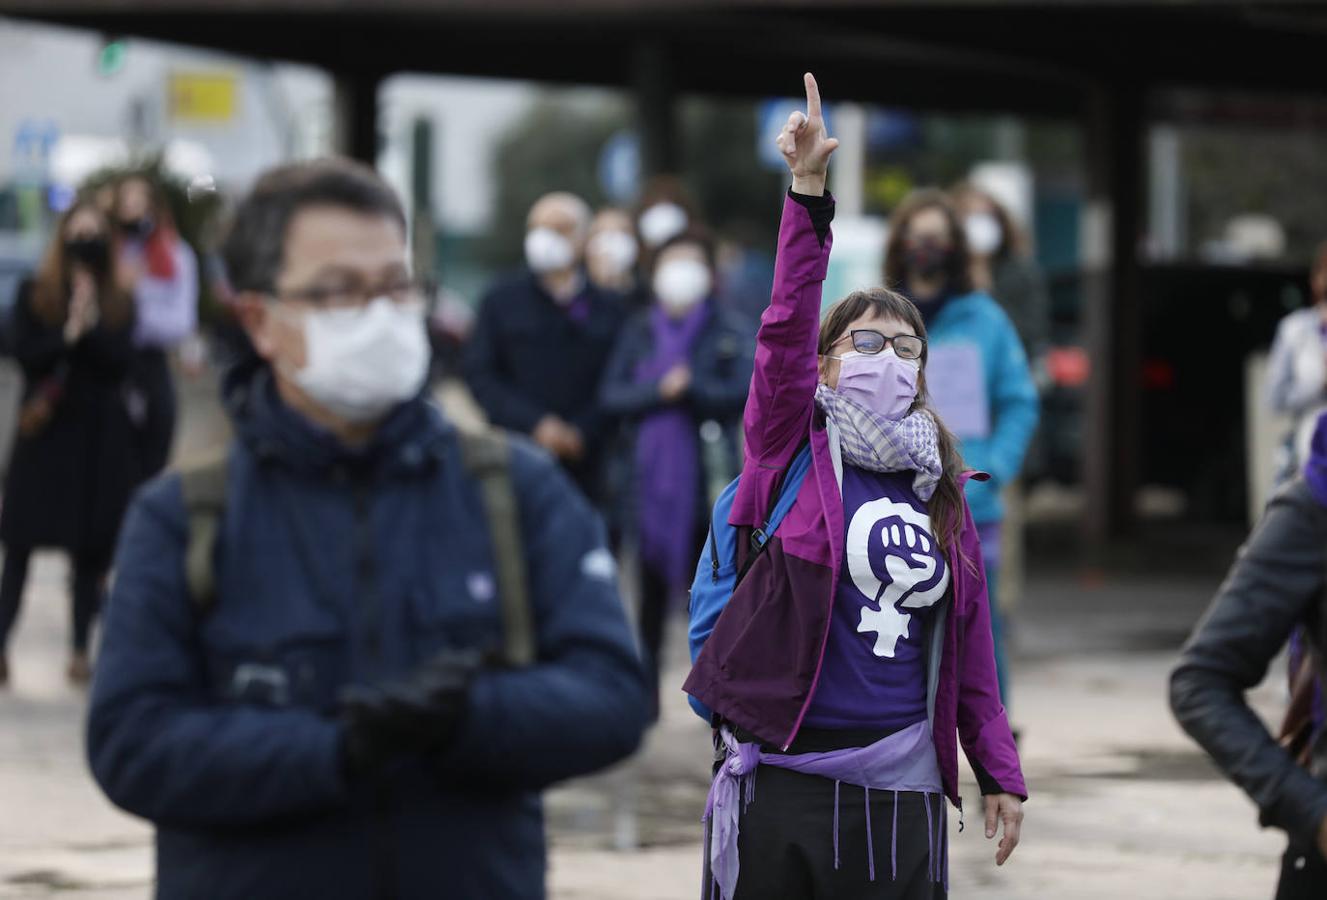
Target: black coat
<point>69,483</point>
<point>528,357</point>
<point>1276,585</point>
<point>721,361</point>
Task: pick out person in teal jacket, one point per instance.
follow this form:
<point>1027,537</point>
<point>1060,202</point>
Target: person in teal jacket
<point>978,377</point>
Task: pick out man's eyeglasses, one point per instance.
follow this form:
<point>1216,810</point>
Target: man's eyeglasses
<point>402,290</point>
<point>870,342</point>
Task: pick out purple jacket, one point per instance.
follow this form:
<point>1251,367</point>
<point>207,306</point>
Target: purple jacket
<point>760,666</point>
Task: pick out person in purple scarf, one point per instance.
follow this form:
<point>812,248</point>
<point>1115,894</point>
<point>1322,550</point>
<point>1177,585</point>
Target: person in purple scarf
<point>856,652</point>
<point>680,366</point>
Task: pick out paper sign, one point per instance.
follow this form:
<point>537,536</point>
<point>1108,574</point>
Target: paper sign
<point>956,380</point>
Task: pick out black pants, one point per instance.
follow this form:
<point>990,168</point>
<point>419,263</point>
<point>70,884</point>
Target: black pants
<point>1303,874</point>
<point>787,849</point>
<point>653,623</point>
<point>89,577</point>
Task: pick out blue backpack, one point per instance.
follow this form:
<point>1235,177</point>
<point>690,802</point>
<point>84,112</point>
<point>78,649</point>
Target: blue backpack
<point>717,575</point>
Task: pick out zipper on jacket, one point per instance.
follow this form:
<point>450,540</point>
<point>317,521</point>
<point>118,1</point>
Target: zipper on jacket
<point>366,574</point>
<point>714,558</point>
<point>366,591</point>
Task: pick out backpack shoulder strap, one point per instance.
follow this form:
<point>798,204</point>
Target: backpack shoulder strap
<point>204,487</point>
<point>487,456</point>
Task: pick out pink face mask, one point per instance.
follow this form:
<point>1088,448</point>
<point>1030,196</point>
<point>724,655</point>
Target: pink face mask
<point>881,382</point>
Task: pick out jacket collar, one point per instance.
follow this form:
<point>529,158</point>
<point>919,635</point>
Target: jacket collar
<point>409,441</point>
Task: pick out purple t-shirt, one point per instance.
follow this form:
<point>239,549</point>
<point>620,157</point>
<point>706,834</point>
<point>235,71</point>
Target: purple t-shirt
<point>894,573</point>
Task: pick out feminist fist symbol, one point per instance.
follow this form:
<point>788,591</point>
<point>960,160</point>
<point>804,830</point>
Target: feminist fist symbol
<point>912,542</point>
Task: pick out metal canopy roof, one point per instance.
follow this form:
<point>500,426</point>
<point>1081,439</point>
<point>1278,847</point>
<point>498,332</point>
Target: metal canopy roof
<point>1035,58</point>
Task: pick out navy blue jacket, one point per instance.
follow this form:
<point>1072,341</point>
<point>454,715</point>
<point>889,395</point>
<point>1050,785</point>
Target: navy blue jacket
<point>529,357</point>
<point>337,567</point>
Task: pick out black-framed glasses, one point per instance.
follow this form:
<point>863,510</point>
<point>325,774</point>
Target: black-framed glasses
<point>400,290</point>
<point>870,342</point>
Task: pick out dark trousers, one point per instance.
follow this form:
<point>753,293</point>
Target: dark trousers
<point>89,578</point>
<point>787,843</point>
<point>1303,874</point>
<point>655,598</point>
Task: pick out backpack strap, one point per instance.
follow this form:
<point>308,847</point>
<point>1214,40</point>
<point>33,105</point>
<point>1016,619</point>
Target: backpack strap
<point>204,487</point>
<point>487,456</point>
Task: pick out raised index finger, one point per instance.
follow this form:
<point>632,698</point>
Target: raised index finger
<point>812,96</point>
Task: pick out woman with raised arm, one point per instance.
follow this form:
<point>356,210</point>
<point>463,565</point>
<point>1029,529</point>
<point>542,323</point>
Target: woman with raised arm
<point>855,654</point>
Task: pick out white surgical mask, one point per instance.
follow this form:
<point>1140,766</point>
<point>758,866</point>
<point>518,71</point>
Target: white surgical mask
<point>615,251</point>
<point>548,251</point>
<point>984,233</point>
<point>360,363</point>
<point>682,283</point>
<point>661,222</point>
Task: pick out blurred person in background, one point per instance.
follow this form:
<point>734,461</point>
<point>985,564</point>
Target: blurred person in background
<point>855,653</point>
<point>980,382</point>
<point>1276,587</point>
<point>541,339</point>
<point>73,466</point>
<point>164,273</point>
<point>1297,370</point>
<point>665,209</point>
<point>310,679</point>
<point>682,364</point>
<point>1003,266</point>
<point>611,252</point>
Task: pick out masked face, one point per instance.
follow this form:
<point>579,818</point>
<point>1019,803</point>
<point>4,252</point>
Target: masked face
<point>91,251</point>
<point>926,257</point>
<point>682,283</point>
<point>661,222</point>
<point>612,252</point>
<point>880,382</point>
<point>362,362</point>
<point>984,233</point>
<point>547,250</point>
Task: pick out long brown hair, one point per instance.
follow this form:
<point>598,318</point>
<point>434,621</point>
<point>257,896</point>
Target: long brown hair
<point>958,275</point>
<point>946,505</point>
<point>51,286</point>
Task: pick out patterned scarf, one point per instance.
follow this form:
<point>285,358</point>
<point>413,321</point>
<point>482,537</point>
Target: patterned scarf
<point>876,444</point>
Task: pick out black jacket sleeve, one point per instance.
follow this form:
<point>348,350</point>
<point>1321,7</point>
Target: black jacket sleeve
<point>619,393</point>
<point>1273,586</point>
<point>501,401</point>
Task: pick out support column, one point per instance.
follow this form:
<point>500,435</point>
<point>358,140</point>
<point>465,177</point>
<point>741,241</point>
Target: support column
<point>356,111</point>
<point>656,114</point>
<point>1112,303</point>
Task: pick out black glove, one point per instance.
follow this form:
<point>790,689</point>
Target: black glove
<point>418,714</point>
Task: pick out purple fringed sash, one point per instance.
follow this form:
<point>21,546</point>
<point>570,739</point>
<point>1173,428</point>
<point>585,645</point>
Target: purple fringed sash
<point>904,761</point>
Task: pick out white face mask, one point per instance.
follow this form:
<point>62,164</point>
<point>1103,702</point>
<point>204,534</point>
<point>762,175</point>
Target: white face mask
<point>614,251</point>
<point>359,363</point>
<point>548,251</point>
<point>682,283</point>
<point>984,233</point>
<point>661,222</point>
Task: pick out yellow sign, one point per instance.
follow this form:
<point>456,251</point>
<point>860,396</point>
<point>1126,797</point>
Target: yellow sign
<point>202,96</point>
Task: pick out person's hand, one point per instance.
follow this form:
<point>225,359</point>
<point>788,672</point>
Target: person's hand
<point>805,145</point>
<point>1008,809</point>
<point>551,434</point>
<point>419,714</point>
<point>573,444</point>
<point>674,385</point>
